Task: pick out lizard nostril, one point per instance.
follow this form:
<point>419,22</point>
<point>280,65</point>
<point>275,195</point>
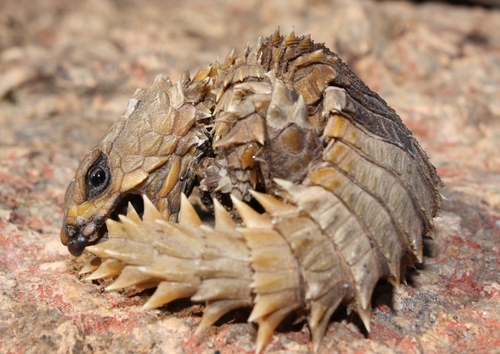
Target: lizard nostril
<point>72,231</point>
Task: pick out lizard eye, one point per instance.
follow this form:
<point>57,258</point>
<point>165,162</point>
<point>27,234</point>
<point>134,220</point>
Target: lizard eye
<point>98,177</point>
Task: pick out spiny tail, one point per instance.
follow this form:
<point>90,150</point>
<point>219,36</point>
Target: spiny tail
<point>278,262</point>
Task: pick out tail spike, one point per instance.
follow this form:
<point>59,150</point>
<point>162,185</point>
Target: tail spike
<point>115,228</point>
<point>223,220</point>
<point>168,292</point>
<point>215,310</point>
<point>130,276</point>
<point>250,217</point>
<point>132,213</point>
<point>405,262</point>
<point>395,281</point>
<point>268,324</point>
<point>150,212</point>
<point>284,184</point>
<point>365,315</point>
<point>91,266</point>
<point>108,269</point>
<point>318,320</point>
<point>273,206</point>
<point>188,217</point>
<point>131,226</point>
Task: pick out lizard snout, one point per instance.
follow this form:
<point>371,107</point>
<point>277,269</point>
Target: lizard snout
<point>72,237</point>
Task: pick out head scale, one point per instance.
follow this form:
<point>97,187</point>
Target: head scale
<point>128,160</point>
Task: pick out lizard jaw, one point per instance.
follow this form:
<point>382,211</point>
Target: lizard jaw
<point>84,232</point>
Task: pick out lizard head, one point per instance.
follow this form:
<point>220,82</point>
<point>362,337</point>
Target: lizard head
<point>92,196</point>
<point>148,151</point>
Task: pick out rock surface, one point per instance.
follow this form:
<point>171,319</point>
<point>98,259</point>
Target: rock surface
<point>67,71</point>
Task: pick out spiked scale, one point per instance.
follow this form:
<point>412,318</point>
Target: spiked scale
<point>257,265</point>
<point>347,191</point>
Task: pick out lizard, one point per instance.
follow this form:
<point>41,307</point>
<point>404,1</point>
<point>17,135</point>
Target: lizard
<point>285,123</point>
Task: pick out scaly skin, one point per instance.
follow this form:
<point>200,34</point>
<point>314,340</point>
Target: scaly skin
<point>149,150</point>
<point>287,108</point>
<point>348,192</point>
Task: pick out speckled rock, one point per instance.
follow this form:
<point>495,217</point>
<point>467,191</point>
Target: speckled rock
<point>67,71</point>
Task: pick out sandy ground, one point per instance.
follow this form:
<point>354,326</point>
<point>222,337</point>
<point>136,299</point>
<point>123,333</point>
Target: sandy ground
<point>67,70</point>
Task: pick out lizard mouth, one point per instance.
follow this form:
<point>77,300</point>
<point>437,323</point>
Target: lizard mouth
<point>121,208</point>
<point>135,200</point>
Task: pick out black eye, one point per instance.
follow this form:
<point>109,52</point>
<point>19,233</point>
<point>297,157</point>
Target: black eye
<point>98,177</point>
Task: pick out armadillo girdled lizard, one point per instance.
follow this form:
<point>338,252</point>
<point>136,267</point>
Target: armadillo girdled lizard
<point>347,192</point>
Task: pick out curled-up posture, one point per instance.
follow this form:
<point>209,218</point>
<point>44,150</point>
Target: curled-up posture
<point>347,192</point>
